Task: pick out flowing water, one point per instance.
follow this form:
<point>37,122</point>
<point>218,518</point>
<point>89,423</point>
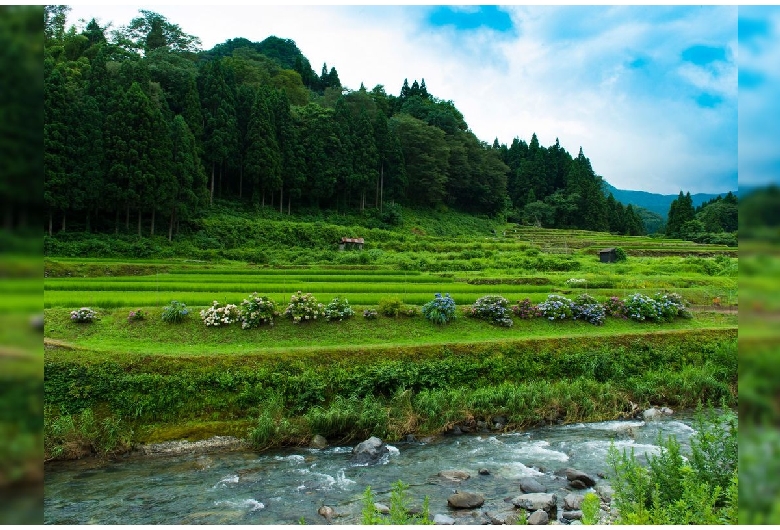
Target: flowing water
<point>283,486</point>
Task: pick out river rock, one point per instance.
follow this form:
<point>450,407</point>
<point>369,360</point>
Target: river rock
<point>484,471</point>
<point>454,475</point>
<point>502,517</point>
<point>454,431</point>
<point>531,485</point>
<point>443,519</point>
<point>318,442</point>
<point>572,515</point>
<point>572,501</point>
<point>651,414</point>
<point>539,517</point>
<point>369,451</point>
<point>606,492</point>
<point>465,500</point>
<point>327,512</point>
<point>537,501</point>
<point>574,476</point>
<point>381,508</point>
<point>667,411</point>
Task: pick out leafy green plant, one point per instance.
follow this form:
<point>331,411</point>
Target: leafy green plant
<point>136,315</point>
<point>338,309</point>
<point>556,307</point>
<point>620,254</point>
<point>175,312</point>
<point>440,310</point>
<point>304,307</point>
<point>219,315</point>
<point>390,306</point>
<point>591,504</point>
<point>370,314</point>
<point>399,508</point>
<point>85,315</point>
<point>586,308</point>
<point>256,311</point>
<point>494,309</point>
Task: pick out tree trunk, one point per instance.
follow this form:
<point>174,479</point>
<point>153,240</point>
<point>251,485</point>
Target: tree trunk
<point>376,197</point>
<point>219,188</point>
<point>139,222</point>
<point>264,198</point>
<point>88,224</point>
<point>211,197</point>
<point>288,205</point>
<point>50,222</point>
<point>127,217</point>
<point>281,198</point>
<point>116,222</point>
<point>241,181</point>
<point>170,225</point>
<point>154,211</point>
<point>63,221</point>
<point>381,188</point>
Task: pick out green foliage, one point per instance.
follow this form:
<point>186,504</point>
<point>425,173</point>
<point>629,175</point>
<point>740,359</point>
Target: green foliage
<point>256,311</point>
<point>494,309</point>
<point>219,315</point>
<point>673,491</point>
<point>136,315</point>
<point>390,306</point>
<point>175,312</point>
<point>304,307</point>
<point>591,504</point>
<point>77,435</point>
<point>338,309</point>
<point>620,255</point>
<point>440,310</point>
<point>399,508</point>
<point>84,315</point>
<point>556,307</point>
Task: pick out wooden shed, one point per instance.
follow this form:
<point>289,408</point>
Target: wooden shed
<point>608,255</point>
<point>351,243</point>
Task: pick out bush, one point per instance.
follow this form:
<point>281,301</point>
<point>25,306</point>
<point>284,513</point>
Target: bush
<point>85,315</point>
<point>586,308</point>
<point>338,309</point>
<point>175,313</point>
<point>670,306</point>
<point>304,307</point>
<point>135,316</point>
<point>256,311</point>
<point>492,308</point>
<point>641,308</point>
<point>219,315</point>
<point>556,307</point>
<point>370,314</point>
<point>620,254</point>
<point>615,307</point>
<point>440,310</point>
<point>525,309</point>
<point>391,306</point>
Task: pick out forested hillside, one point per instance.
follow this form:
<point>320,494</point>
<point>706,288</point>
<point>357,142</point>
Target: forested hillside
<point>143,130</point>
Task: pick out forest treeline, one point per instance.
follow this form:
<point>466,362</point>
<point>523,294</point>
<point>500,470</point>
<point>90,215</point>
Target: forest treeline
<point>143,130</point>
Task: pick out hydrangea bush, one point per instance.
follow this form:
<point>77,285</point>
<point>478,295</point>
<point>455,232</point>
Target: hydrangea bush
<point>338,309</point>
<point>440,310</point>
<point>256,311</point>
<point>586,308</point>
<point>134,316</point>
<point>370,314</point>
<point>556,307</point>
<point>391,306</point>
<point>671,306</point>
<point>526,309</point>
<point>615,307</point>
<point>219,315</point>
<point>84,315</point>
<point>175,312</point>
<point>494,309</point>
<point>304,307</point>
<point>642,308</point>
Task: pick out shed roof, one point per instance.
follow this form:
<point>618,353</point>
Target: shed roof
<point>611,249</point>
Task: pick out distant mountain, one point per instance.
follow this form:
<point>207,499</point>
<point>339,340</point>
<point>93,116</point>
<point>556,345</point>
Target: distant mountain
<point>656,202</point>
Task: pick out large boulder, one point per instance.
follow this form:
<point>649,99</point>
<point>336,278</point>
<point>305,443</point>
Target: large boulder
<point>579,479</point>
<point>454,475</point>
<point>539,517</point>
<point>531,485</point>
<point>651,414</point>
<point>369,452</point>
<point>574,515</point>
<point>318,442</point>
<point>572,502</point>
<point>465,500</point>
<point>537,501</point>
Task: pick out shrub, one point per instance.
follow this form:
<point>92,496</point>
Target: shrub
<point>525,309</point>
<point>586,308</point>
<point>615,307</point>
<point>304,307</point>
<point>256,311</point>
<point>492,308</point>
<point>440,310</point>
<point>411,311</point>
<point>620,254</point>
<point>556,307</point>
<point>640,308</point>
<point>338,309</point>
<point>84,315</point>
<point>136,315</point>
<point>175,312</point>
<point>391,306</point>
<point>370,314</point>
<point>577,282</point>
<point>671,306</point>
<point>219,315</point>
<point>590,508</point>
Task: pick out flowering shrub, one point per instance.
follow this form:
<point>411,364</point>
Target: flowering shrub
<point>577,282</point>
<point>615,307</point>
<point>440,310</point>
<point>671,306</point>
<point>526,309</point>
<point>391,306</point>
<point>338,309</point>
<point>175,312</point>
<point>256,311</point>
<point>411,311</point>
<point>219,315</point>
<point>304,307</point>
<point>640,308</point>
<point>493,309</point>
<point>136,315</point>
<point>556,307</point>
<point>83,315</point>
<point>370,314</point>
<point>586,308</point>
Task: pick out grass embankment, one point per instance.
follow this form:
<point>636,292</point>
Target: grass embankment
<point>101,402</point>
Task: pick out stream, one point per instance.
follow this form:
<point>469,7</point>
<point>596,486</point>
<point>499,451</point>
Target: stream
<point>283,486</point>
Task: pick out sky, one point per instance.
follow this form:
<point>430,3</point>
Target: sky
<point>649,93</point>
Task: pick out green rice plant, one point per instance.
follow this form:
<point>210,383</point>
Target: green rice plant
<point>175,312</point>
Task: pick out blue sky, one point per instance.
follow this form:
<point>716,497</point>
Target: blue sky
<point>649,93</point>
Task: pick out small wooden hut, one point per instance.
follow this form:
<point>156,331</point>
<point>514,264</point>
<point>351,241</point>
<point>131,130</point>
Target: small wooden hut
<point>351,243</point>
<point>608,255</point>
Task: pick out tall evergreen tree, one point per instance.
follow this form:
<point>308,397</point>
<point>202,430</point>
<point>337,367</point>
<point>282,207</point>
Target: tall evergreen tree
<point>263,159</point>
